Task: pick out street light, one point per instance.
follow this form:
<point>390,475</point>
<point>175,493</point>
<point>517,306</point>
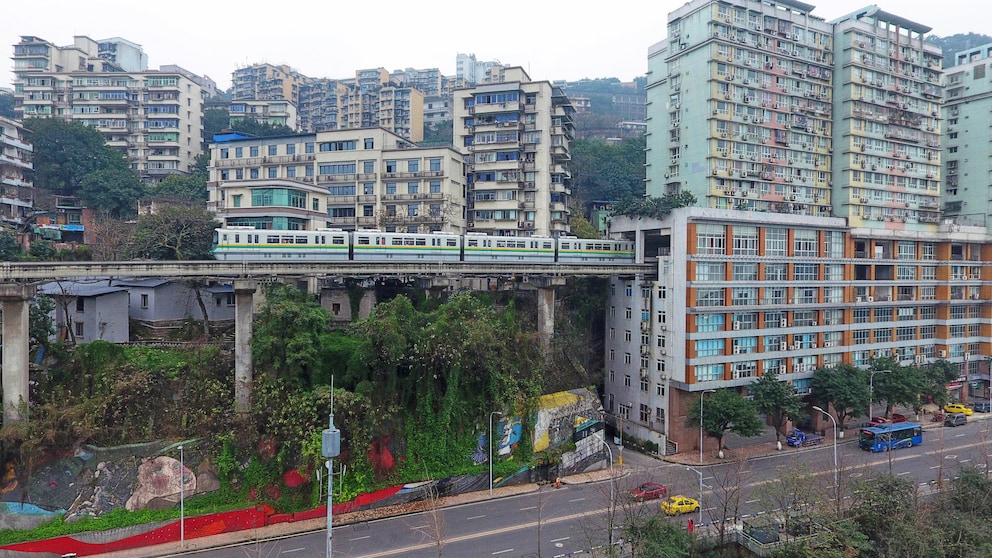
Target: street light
<point>182,498</point>
<point>491,450</point>
<point>701,422</point>
<point>700,473</point>
<point>871,390</point>
<point>833,420</point>
<point>612,495</point>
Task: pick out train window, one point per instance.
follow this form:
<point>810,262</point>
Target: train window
<point>408,242</point>
<point>272,239</point>
<point>547,245</point>
<point>286,240</point>
<point>472,242</point>
<point>337,240</point>
<point>451,242</point>
<point>363,240</point>
<point>421,241</point>
<point>237,238</point>
<point>501,244</point>
<point>302,240</point>
<point>397,242</point>
<point>565,245</point>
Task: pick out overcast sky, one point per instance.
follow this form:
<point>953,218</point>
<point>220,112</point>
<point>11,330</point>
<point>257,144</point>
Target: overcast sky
<point>333,38</point>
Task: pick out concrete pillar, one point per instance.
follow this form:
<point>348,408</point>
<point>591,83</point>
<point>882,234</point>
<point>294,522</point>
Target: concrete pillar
<point>546,306</point>
<point>15,299</point>
<point>244,291</point>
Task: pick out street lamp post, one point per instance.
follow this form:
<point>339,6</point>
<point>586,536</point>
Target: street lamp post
<point>833,420</point>
<point>700,473</point>
<point>491,450</point>
<point>701,422</point>
<point>871,390</point>
<point>182,498</point>
<point>612,494</point>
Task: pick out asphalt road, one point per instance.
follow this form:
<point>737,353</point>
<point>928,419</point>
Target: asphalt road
<point>575,517</point>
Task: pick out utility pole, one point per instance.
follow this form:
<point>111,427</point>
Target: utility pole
<point>330,448</point>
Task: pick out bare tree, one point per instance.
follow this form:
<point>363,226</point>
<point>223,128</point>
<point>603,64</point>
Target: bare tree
<point>435,529</point>
<point>110,238</point>
<point>728,484</point>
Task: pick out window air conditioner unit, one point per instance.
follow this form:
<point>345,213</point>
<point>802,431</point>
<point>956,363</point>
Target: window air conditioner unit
<point>737,350</point>
<point>812,345</point>
<point>813,323</point>
<point>871,299</point>
<point>663,351</point>
<point>737,326</point>
<point>785,347</point>
<point>942,353</point>
<point>664,327</point>
<point>796,346</point>
<point>828,344</point>
<point>784,323</point>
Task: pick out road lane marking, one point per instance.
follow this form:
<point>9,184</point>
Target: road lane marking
<point>502,551</point>
<point>303,548</point>
<point>576,500</point>
<point>902,473</point>
<point>355,539</point>
<point>561,539</point>
<point>752,501</point>
<point>528,508</point>
<point>474,517</point>
<point>418,527</point>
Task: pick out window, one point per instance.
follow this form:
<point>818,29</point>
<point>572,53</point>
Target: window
<point>776,240</point>
<point>412,187</point>
<point>290,172</point>
<point>80,304</point>
<point>290,149</point>
<point>253,173</point>
<point>369,143</point>
<point>745,240</point>
<point>709,347</point>
<point>806,272</point>
<point>273,172</point>
<point>273,150</point>
<point>79,329</point>
<point>709,322</point>
<point>709,297</point>
<point>435,186</point>
<point>253,151</point>
<point>338,146</point>
<point>709,373</point>
<point>711,239</point>
<point>626,380</point>
<point>144,301</point>
<point>435,165</point>
<point>744,296</point>
<point>745,272</point>
<point>645,411</point>
<point>805,243</point>
<point>775,272</point>
<point>413,165</point>
<point>710,271</point>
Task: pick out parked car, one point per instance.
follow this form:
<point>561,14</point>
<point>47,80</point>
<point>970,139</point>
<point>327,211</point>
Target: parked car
<point>648,491</point>
<point>983,407</point>
<point>955,419</point>
<point>679,504</point>
<point>896,417</point>
<point>957,408</point>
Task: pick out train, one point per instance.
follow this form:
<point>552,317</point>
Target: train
<point>336,245</point>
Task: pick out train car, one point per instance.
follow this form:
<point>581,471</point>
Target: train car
<point>584,250</point>
<point>251,244</point>
<point>484,248</point>
<point>375,245</point>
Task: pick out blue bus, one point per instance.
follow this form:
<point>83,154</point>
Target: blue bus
<point>889,436</point>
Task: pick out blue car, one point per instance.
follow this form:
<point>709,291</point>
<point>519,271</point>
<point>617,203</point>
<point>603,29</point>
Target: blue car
<point>983,407</point>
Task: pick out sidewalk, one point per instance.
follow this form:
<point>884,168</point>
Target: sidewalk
<point>765,445</point>
<point>288,529</point>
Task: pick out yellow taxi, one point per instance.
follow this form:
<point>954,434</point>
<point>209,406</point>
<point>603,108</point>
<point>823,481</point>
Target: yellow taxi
<point>958,408</point>
<point>679,504</point>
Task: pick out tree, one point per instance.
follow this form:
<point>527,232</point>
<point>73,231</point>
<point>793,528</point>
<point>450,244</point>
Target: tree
<point>896,384</point>
<point>10,250</point>
<point>655,208</point>
<point>185,188</point>
<point>112,238</point>
<point>259,129</point>
<point>115,191</point>
<point>582,228</point>
<point>41,326</point>
<point>845,387</point>
<point>776,400</point>
<point>289,334</point>
<point>174,232</point>
<point>936,377</point>
<point>657,537</point>
<point>66,152</point>
<point>215,121</point>
<point>602,171</point>
<point>725,411</point>
<point>6,105</point>
<point>438,133</point>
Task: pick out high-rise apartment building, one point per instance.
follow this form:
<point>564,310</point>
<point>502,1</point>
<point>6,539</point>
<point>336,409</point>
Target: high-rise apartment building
<point>966,136</point>
<point>345,179</point>
<point>518,134</point>
<point>267,82</point>
<point>740,294</point>
<point>267,111</point>
<point>153,116</point>
<point>766,107</point>
<point>17,193</point>
<point>886,129</point>
<point>470,71</point>
<point>814,149</point>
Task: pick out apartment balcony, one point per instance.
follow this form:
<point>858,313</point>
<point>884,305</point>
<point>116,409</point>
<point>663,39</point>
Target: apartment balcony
<point>496,107</point>
<point>341,200</point>
<point>330,178</point>
<point>17,181</point>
